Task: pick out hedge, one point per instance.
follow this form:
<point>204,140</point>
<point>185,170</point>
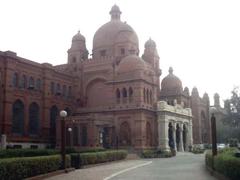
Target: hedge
<point>79,159</point>
<point>225,163</point>
<point>157,154</point>
<point>19,168</point>
<point>8,153</point>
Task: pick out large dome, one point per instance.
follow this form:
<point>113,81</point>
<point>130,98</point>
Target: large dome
<point>114,32</point>
<point>171,84</point>
<point>131,63</point>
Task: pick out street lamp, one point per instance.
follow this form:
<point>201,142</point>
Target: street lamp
<point>63,115</point>
<point>70,130</point>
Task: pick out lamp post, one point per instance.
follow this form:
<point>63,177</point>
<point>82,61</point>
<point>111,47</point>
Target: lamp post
<point>70,135</point>
<point>63,115</point>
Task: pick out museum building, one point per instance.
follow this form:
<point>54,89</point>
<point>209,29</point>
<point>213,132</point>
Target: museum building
<point>113,98</point>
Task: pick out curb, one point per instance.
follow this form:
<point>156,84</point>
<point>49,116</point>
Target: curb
<point>50,174</point>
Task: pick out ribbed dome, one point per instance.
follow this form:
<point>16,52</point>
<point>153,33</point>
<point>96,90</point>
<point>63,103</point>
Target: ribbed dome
<point>171,84</point>
<point>131,63</point>
<point>114,32</point>
<point>78,37</point>
<point>150,43</point>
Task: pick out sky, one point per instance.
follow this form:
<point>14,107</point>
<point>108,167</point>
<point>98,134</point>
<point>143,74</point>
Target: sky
<point>199,39</point>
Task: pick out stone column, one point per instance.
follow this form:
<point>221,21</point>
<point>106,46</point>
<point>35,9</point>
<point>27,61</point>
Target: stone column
<point>181,138</point>
<point>163,133</point>
<point>174,137</point>
<point>189,134</point>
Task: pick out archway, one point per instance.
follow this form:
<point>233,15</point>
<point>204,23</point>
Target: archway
<point>52,129</point>
<point>178,137</point>
<point>34,119</point>
<point>148,134</point>
<point>18,117</point>
<point>170,136</point>
<point>125,134</point>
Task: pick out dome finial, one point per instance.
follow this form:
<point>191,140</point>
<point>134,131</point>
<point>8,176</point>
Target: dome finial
<point>78,31</point>
<point>115,12</point>
<point>170,70</point>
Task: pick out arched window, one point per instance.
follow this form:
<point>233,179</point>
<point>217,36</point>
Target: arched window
<point>130,92</point>
<point>38,84</point>
<point>52,87</point>
<point>15,80</point>
<point>53,118</point>
<point>58,92</point>
<point>84,135</point>
<point>31,83</point>
<point>69,91</point>
<point>18,117</point>
<point>75,136</point>
<point>118,95</point>
<point>34,119</point>
<point>147,96</point>
<point>68,110</point>
<point>64,90</point>
<point>23,83</point>
<point>124,95</point>
<point>150,96</point>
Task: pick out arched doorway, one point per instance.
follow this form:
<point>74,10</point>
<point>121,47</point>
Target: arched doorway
<point>148,134</point>
<point>125,134</point>
<point>18,117</point>
<point>34,119</point>
<point>170,136</point>
<point>52,129</point>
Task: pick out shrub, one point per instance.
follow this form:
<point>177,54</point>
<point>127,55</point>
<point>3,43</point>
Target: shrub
<point>157,154</point>
<point>233,142</point>
<point>19,168</point>
<point>79,159</point>
<point>8,153</point>
<point>197,150</point>
<point>225,163</point>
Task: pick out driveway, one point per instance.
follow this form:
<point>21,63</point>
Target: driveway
<point>182,167</point>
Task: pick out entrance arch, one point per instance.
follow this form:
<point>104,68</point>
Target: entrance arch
<point>170,136</point>
<point>125,134</point>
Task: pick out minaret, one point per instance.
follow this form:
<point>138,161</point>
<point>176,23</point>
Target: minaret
<point>216,100</point>
<point>78,51</point>
<point>115,13</point>
<point>150,53</point>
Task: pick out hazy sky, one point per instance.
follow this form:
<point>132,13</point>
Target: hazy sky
<point>199,39</point>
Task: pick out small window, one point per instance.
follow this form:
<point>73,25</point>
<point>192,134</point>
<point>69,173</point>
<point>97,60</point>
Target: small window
<point>31,83</point>
<point>15,80</point>
<point>103,52</point>
<point>122,51</point>
<point>38,84</point>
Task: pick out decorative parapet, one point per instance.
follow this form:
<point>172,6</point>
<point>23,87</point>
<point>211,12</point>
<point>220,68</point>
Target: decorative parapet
<point>177,109</point>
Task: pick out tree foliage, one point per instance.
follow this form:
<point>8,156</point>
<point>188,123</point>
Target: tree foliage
<point>232,107</point>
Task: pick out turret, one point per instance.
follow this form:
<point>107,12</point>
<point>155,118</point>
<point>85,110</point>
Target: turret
<point>195,93</point>
<point>216,100</point>
<point>150,53</point>
<point>78,51</point>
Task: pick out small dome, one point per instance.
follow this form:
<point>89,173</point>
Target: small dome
<point>78,37</point>
<point>131,63</point>
<point>150,44</point>
<point>186,91</point>
<point>171,84</point>
<point>115,9</point>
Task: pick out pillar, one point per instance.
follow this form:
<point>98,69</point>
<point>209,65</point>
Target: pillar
<point>174,137</point>
<point>189,134</point>
<point>163,133</point>
<point>181,138</point>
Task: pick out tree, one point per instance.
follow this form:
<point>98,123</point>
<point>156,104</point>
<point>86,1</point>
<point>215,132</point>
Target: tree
<point>232,107</point>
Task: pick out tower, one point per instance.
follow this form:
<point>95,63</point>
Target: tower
<point>78,51</point>
<point>150,54</point>
<point>216,100</point>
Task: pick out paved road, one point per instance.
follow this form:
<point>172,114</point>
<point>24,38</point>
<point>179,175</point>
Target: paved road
<point>182,167</point>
